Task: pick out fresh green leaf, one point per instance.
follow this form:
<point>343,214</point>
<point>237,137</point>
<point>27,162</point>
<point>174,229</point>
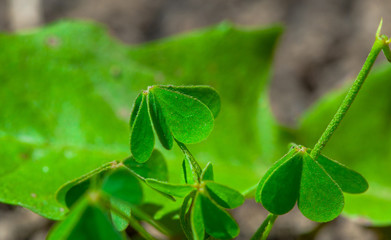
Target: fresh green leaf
<point>155,167</point>
<point>185,214</point>
<point>360,142</point>
<point>176,190</point>
<point>62,230</point>
<point>320,198</point>
<point>71,191</point>
<point>348,180</point>
<point>197,220</point>
<point>291,154</point>
<point>142,139</point>
<point>224,196</point>
<point>188,173</point>
<point>119,222</point>
<point>159,123</point>
<point>85,221</point>
<point>218,223</point>
<point>280,189</point>
<point>205,94</point>
<point>207,173</point>
<point>122,185</point>
<point>136,109</point>
<point>76,109</point>
<point>189,119</point>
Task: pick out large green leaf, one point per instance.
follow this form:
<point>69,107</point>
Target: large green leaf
<point>361,143</point>
<point>66,93</point>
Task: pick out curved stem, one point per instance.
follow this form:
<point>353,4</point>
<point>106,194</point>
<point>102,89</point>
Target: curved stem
<point>263,231</point>
<point>379,44</point>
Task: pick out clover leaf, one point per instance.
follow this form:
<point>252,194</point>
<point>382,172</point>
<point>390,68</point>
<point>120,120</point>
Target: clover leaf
<point>185,113</point>
<point>203,207</point>
<point>316,185</point>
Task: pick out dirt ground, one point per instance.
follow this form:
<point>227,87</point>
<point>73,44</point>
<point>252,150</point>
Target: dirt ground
<point>324,45</point>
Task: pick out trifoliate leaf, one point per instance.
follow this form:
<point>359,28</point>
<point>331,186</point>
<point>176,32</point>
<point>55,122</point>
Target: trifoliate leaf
<point>224,196</point>
<point>189,120</point>
<point>347,179</point>
<point>205,94</point>
<point>142,139</point>
<point>176,190</point>
<point>123,185</point>
<point>218,223</point>
<point>320,198</point>
<point>159,122</point>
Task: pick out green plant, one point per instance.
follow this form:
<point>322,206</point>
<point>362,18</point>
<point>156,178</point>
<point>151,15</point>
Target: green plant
<point>80,137</point>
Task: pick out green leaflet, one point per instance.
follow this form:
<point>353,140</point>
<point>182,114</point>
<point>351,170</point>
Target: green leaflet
<point>280,189</point>
<point>77,121</point>
<point>177,190</point>
<point>218,223</point>
<point>361,142</point>
<point>348,180</point>
<point>291,153</point>
<point>224,196</point>
<point>159,123</point>
<point>185,214</point>
<point>205,94</point>
<point>122,185</point>
<point>86,221</point>
<point>296,177</point>
<point>155,167</point>
<point>187,170</point>
<point>142,139</point>
<point>320,199</point>
<point>189,119</point>
<point>207,173</point>
<point>119,222</point>
<point>197,220</point>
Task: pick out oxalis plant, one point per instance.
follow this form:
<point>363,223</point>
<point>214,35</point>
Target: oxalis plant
<point>105,202</point>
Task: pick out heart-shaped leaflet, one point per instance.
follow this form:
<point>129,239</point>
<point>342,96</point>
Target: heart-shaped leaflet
<point>316,185</point>
<point>185,113</point>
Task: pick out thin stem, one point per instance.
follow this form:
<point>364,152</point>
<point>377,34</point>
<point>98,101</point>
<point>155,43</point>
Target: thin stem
<point>197,170</point>
<point>132,222</point>
<point>378,45</point>
<point>263,231</point>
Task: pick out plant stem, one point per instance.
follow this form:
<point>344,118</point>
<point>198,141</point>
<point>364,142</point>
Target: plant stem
<point>197,170</point>
<point>378,45</point>
<point>263,231</point>
<point>132,222</point>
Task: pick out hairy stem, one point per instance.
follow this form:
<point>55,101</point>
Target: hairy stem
<point>263,231</point>
<point>379,44</point>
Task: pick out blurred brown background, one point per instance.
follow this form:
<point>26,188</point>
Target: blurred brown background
<point>324,45</point>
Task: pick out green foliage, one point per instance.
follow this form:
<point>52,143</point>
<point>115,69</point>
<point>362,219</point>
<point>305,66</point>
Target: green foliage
<point>173,110</point>
<point>203,206</point>
<point>298,177</point>
<point>76,94</point>
<point>360,142</point>
<point>86,221</point>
